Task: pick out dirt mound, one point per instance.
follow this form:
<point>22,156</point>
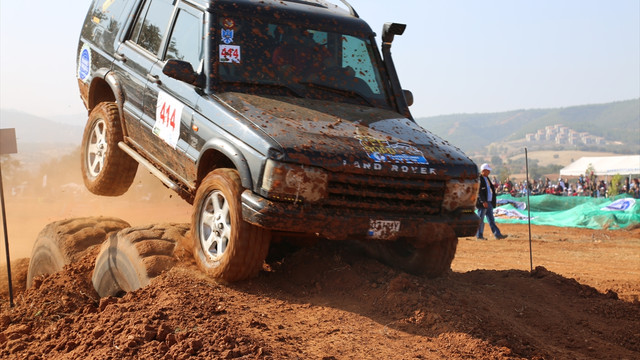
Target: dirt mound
<point>331,302</point>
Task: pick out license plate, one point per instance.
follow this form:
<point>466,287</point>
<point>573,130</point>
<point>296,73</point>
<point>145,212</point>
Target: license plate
<point>383,229</point>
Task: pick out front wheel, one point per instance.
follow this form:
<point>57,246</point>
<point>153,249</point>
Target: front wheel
<point>224,245</point>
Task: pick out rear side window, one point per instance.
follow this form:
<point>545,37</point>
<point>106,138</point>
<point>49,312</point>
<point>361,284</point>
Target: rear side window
<point>152,24</point>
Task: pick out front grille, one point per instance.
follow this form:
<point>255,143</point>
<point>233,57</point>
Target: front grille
<point>385,194</point>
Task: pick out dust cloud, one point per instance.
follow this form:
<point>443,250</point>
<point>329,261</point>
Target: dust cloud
<point>55,191</point>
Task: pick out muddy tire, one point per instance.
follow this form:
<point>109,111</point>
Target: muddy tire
<point>63,242</point>
<point>130,258</point>
<point>106,169</point>
<point>433,259</point>
<point>224,246</point>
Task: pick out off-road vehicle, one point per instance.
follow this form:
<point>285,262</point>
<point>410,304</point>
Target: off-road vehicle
<point>274,118</point>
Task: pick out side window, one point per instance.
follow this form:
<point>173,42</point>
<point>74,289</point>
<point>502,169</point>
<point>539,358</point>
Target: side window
<point>152,24</point>
<point>356,55</point>
<point>185,42</point>
<point>107,12</point>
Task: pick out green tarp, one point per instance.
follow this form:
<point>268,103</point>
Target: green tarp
<point>571,211</point>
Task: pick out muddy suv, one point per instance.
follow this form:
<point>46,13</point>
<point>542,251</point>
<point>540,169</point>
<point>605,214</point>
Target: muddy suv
<point>275,119</point>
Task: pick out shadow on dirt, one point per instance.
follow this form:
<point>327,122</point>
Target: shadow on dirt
<point>530,313</point>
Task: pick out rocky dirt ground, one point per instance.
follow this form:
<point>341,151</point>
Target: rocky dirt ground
<point>329,302</point>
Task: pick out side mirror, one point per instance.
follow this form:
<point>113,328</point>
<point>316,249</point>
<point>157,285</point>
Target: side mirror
<point>408,97</point>
<point>389,30</point>
<point>180,70</point>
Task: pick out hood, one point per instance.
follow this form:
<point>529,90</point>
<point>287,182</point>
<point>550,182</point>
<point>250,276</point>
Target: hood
<point>351,138</point>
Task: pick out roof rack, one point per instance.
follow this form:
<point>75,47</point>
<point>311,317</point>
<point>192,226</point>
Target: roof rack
<point>351,9</point>
<point>325,4</point>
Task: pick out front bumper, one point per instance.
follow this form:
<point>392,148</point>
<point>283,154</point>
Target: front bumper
<point>343,224</point>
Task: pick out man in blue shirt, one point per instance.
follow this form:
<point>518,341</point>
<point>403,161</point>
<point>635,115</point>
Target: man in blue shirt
<point>486,202</point>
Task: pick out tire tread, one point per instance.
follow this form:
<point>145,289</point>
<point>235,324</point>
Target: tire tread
<point>119,169</point>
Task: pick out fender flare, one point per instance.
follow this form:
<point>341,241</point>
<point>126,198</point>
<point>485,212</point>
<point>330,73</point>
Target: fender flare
<point>112,81</point>
<point>118,93</point>
<point>233,154</point>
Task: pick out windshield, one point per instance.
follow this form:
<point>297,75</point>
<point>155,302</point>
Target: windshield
<point>289,59</point>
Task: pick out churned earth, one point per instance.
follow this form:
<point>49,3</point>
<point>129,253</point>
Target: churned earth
<point>330,302</point>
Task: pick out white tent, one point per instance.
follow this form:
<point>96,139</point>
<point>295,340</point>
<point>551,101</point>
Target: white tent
<point>604,166</point>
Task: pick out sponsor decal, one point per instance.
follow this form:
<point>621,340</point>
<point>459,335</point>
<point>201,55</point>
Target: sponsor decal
<point>383,151</point>
<point>84,63</point>
<point>391,156</point>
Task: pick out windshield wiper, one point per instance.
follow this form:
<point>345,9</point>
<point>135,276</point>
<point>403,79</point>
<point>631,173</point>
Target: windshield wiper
<point>350,93</point>
<point>291,89</point>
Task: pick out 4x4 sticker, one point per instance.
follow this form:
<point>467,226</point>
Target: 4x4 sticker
<point>168,115</point>
<point>84,63</point>
<point>382,151</point>
<point>230,54</point>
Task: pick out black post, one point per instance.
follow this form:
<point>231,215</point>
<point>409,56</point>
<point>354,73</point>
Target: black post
<point>526,158</point>
<point>6,240</point>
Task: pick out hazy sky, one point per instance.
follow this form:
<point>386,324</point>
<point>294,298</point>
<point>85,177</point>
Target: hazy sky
<point>456,56</point>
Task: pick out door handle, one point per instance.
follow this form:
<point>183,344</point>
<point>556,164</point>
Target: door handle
<point>120,57</point>
<point>154,79</point>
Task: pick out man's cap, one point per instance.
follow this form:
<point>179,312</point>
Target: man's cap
<point>485,166</point>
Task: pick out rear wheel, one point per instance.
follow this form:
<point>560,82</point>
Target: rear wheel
<point>65,241</point>
<point>224,245</point>
<point>130,258</point>
<point>106,169</point>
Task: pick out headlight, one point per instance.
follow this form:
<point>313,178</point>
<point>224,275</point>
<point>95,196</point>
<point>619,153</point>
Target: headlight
<point>296,183</point>
<point>460,194</point>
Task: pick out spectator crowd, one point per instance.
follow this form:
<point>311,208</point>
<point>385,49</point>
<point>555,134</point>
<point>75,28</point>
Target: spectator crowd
<point>583,186</point>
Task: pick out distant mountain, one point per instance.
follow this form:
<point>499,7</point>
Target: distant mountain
<point>32,129</point>
<point>616,121</point>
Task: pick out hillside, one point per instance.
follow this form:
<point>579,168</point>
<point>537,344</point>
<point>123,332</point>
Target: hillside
<point>615,122</point>
<point>40,140</point>
<point>32,129</point>
<point>618,123</point>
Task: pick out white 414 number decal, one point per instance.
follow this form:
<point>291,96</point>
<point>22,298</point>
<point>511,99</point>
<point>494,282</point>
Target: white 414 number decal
<point>168,115</point>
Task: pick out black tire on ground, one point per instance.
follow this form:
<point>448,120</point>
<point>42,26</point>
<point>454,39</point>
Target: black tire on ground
<point>63,242</point>
<point>130,258</point>
<point>106,169</point>
<point>433,259</point>
<point>225,246</point>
